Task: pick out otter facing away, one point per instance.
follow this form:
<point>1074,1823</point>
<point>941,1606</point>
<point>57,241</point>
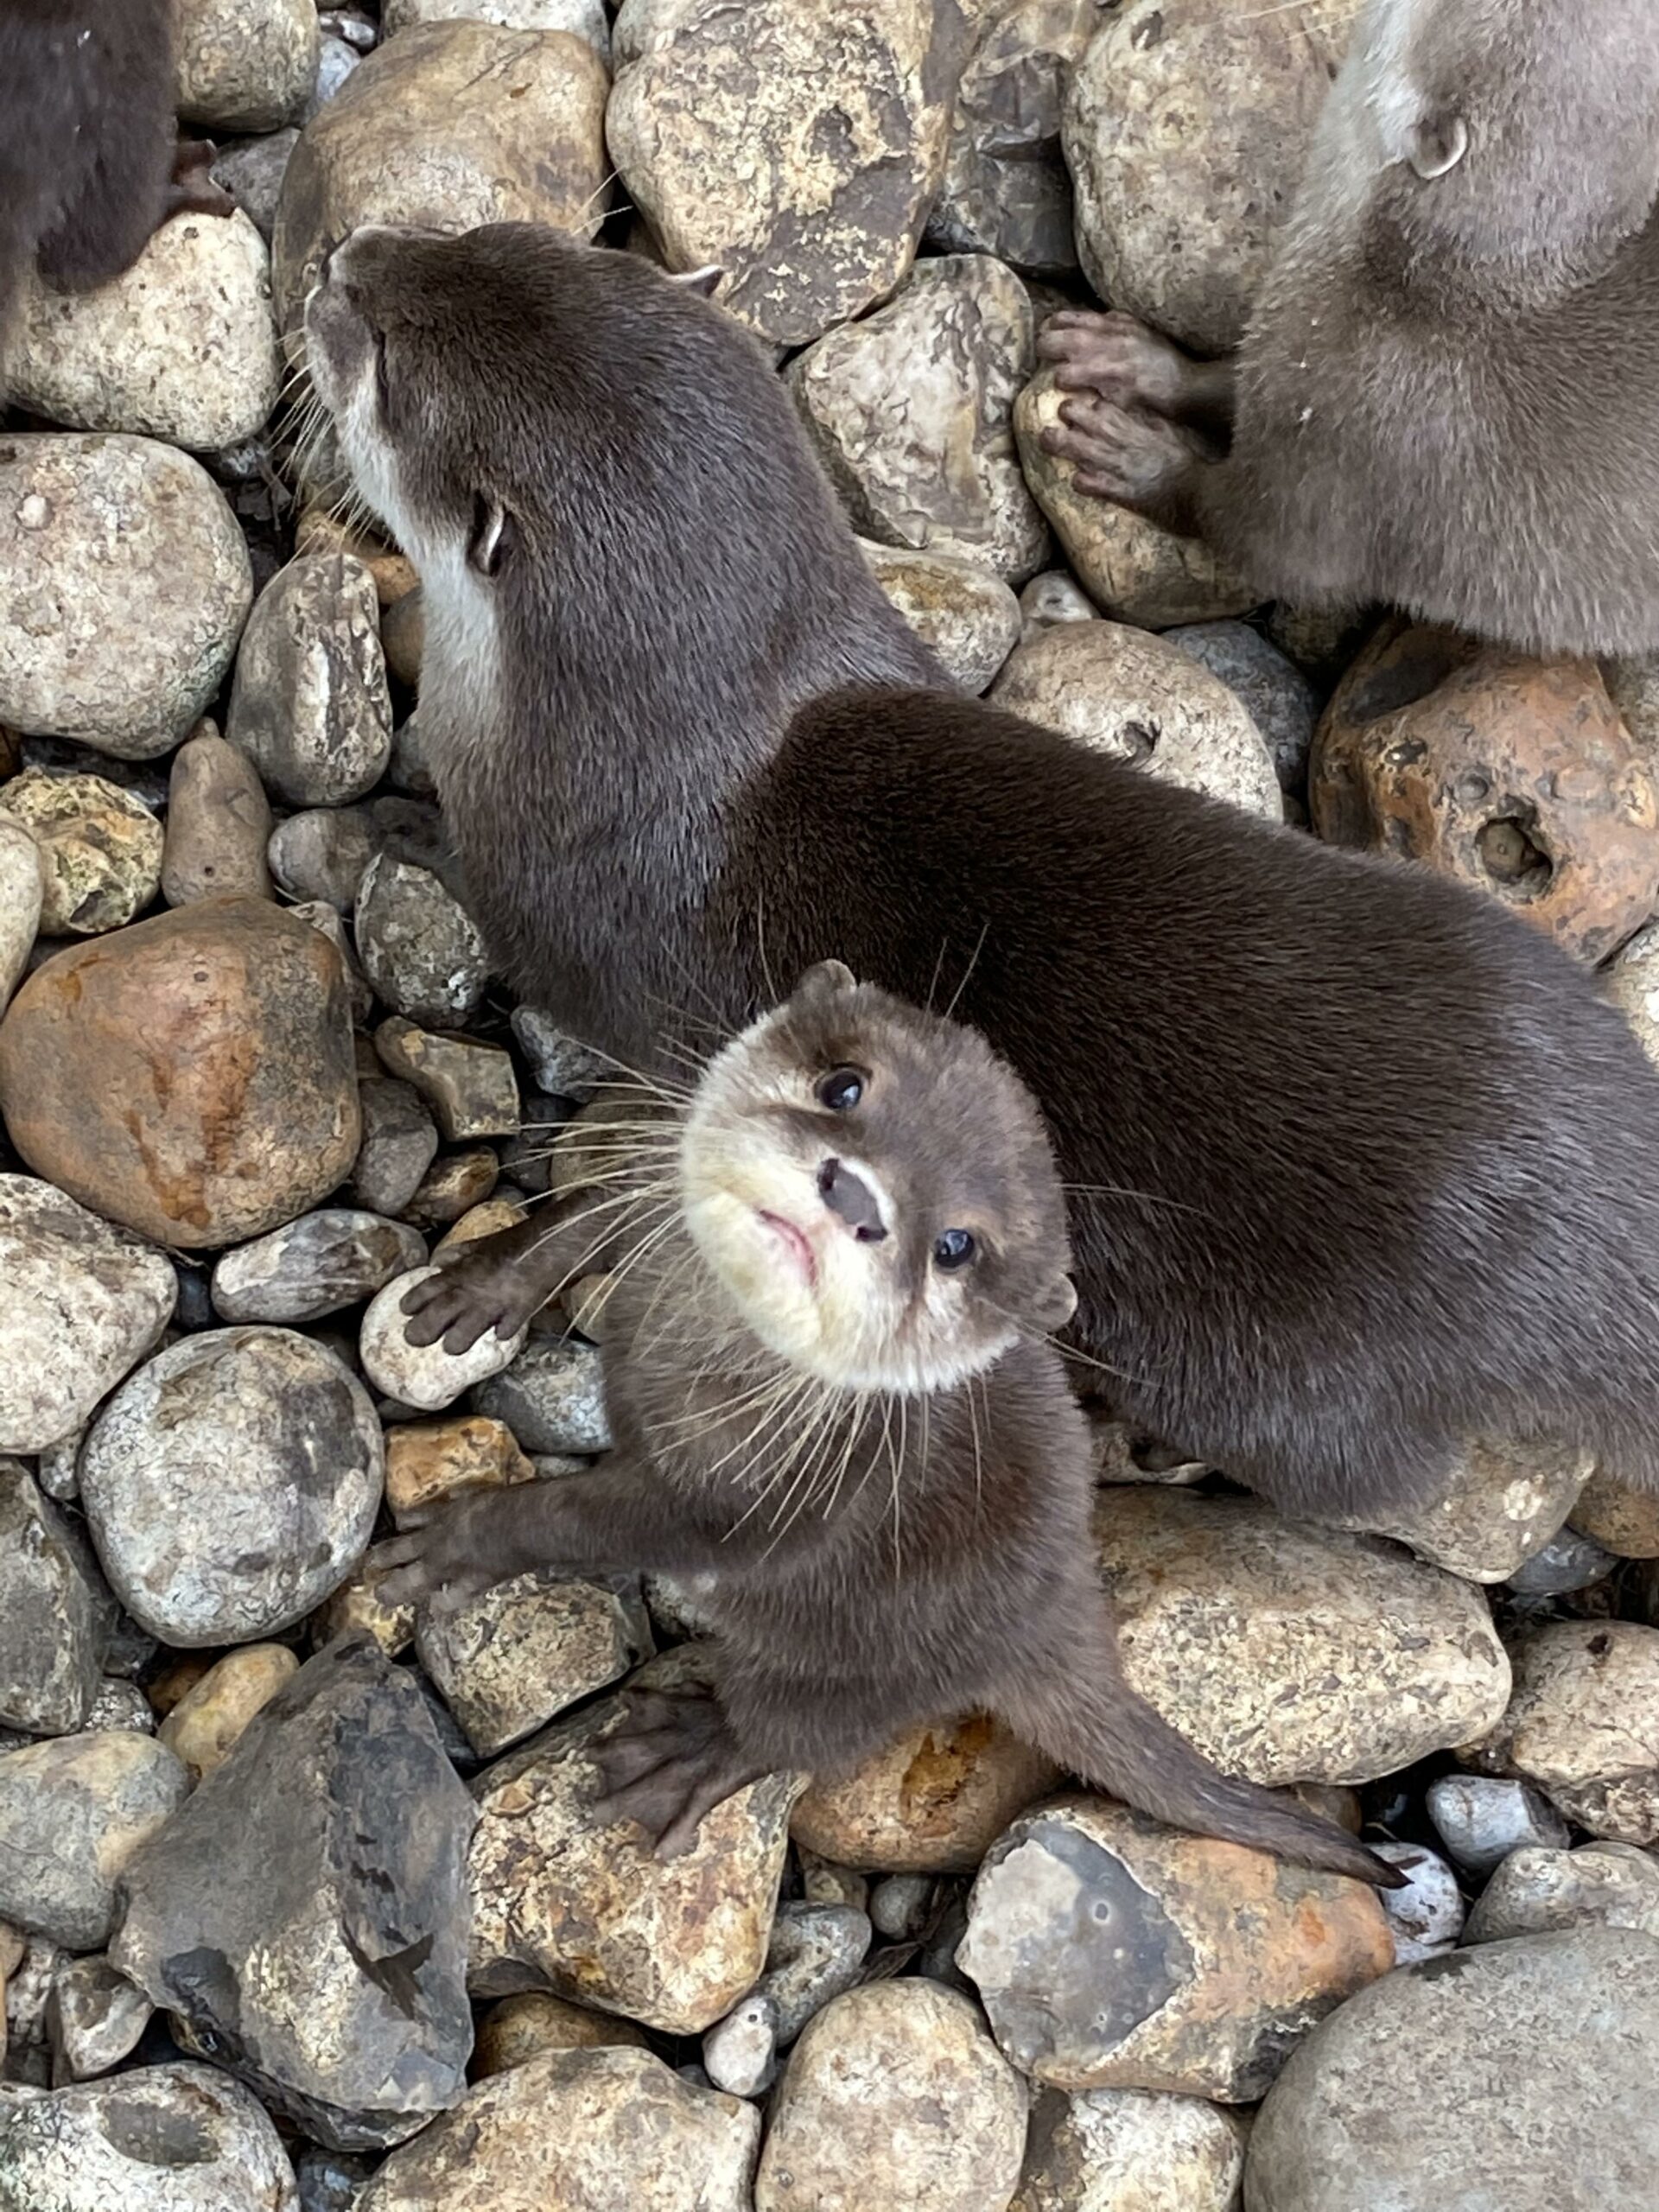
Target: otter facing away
<point>1359,1166</point>
<point>833,1398</point>
<point>1447,397</point>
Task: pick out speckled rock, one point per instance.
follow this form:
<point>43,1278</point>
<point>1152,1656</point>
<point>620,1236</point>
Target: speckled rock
<point>910,410</point>
<point>74,1810</point>
<point>310,707</point>
<point>534,2024</point>
<point>100,850</point>
<point>231,1484</point>
<point>117,1704</point>
<point>181,347</point>
<point>1565,1563</point>
<point>54,1612</point>
<point>1425,1917</point>
<point>586,2131</point>
<point>208,1721</point>
<point>1622,1518</point>
<point>94,2019</point>
<point>1483,1818</point>
<point>1054,597</point>
<point>966,615</point>
<point>330,923</point>
<point>244,65</point>
<point>895,2095</point>
<point>1129,2150</point>
<point>1279,698</point>
<point>1136,699</point>
<point>124,582</point>
<point>304,1918</point>
<point>252,171</point>
<point>1630,979</point>
<point>316,1265</point>
<point>559,1064</point>
<point>426,1376</point>
<point>399,1141</point>
<point>512,1658</point>
<point>1409,2097</point>
<point>427,1461</point>
<point>161,2139</point>
<point>1534,1891</point>
<point>1504,1499</point>
<point>422,950</point>
<point>739,2052</point>
<point>218,824</point>
<point>1583,1724</point>
<point>470,1087</point>
<point>191,1077</point>
<point>817,1951</point>
<point>20,902</point>
<point>84,1302</point>
<point>452,1186</point>
<point>935,1799</point>
<point>324,853</point>
<point>1114,1954</point>
<point>585,18</point>
<point>358,1608</point>
<point>552,1397</point>
<point>1134,569</point>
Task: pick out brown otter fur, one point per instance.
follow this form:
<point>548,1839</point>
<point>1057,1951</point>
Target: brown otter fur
<point>832,1394</point>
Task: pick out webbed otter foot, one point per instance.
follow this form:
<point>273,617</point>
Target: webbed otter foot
<point>671,1763</point>
<point>1118,358</point>
<point>493,1283</point>
<point>191,190</point>
<point>1140,460</point>
<point>455,1552</point>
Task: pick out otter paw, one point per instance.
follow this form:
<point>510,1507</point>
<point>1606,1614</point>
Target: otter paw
<point>444,1557</point>
<point>1115,357</point>
<point>1137,460</point>
<point>191,189</point>
<point>671,1763</point>
<point>471,1293</point>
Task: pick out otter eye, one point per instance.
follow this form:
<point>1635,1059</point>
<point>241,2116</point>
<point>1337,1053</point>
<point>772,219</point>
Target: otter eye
<point>841,1090</point>
<point>954,1249</point>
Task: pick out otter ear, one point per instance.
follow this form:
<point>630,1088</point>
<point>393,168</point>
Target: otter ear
<point>1436,144</point>
<point>1057,1304</point>
<point>493,534</point>
<point>704,282</point>
<point>825,980</point>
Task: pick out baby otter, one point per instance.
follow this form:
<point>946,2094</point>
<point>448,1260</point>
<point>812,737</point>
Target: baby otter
<point>86,138</point>
<point>832,1394</point>
<point>1359,1165</point>
<point>1447,398</point>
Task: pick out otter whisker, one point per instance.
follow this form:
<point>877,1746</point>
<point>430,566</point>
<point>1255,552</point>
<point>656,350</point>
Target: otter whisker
<point>967,973</point>
<point>1142,1197</point>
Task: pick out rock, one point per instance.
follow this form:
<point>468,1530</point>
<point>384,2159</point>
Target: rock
<point>821,1881</point>
<point>895,2095</point>
<point>309,706</point>
<point>450,125</point>
<point>1505,1497</point>
<point>1511,774</point>
<point>209,1719</point>
<point>1567,1563</point>
<point>1406,2098</point>
<point>1630,979</point>
<point>425,1376</point>
<point>1277,697</point>
<point>183,347</point>
<point>1534,1892</point>
<point>552,1397</point>
<point>316,1265</point>
<point>586,2131</point>
<point>54,1612</point>
<point>329,923</point>
<point>1111,1953</point>
<point>909,412</point>
<point>231,1484</point>
<point>73,1812</point>
<point>1583,1724</point>
<point>117,1704</point>
<point>94,2019</point>
<point>400,1139</point>
<point>1425,1917</point>
<point>99,848</point>
<point>935,1800</point>
<point>124,588</point>
<point>33,1966</point>
<point>1053,598</point>
<point>424,952</point>
<point>512,1658</point>
<point>20,902</point>
<point>1129,2150</point>
<point>324,853</point>
<point>403,638</point>
<point>901,1905</point>
<point>738,2053</point>
<point>558,1063</point>
<point>305,1915</point>
<point>585,18</point>
<point>191,1077</point>
<point>470,1087</point>
<point>563,1903</point>
<point>429,1461</point>
<point>1005,189</point>
<point>84,1302</point>
<point>334,65</point>
<point>244,68</point>
<point>530,2026</point>
<point>356,1608</point>
<point>817,1951</point>
<point>218,824</point>
<point>796,146</point>
<point>960,611</point>
<point>1184,136</point>
<point>331,2181</point>
<point>57,1468</point>
<point>252,170</point>
<point>452,1186</point>
<point>1620,1517</point>
<point>1138,700</point>
<point>1483,1818</point>
<point>161,2139</point>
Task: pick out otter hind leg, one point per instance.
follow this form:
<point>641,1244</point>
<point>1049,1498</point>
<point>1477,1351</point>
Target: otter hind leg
<point>191,189</point>
<point>673,1759</point>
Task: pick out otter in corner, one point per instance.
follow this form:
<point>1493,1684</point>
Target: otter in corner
<point>1447,397</point>
<point>833,1397</point>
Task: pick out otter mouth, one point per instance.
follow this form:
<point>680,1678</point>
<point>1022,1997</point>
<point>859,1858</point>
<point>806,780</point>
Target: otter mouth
<point>795,1245</point>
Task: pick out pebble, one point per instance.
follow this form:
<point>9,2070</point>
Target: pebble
<point>190,1078</point>
<point>117,1704</point>
<point>324,853</point>
<point>1618,1516</point>
<point>100,850</point>
<point>245,67</point>
<point>1567,1563</point>
<point>514,1656</point>
<point>252,171</point>
<point>559,1064</point>
<point>1516,2075</point>
<point>20,902</point>
<point>1054,597</point>
<point>1425,1917</point>
<point>218,824</point>
<point>584,18</point>
<point>304,1918</point>
<point>421,951</point>
<point>1277,697</point>
<point>429,1461</point>
<point>330,2181</point>
<point>329,923</point>
<point>424,1377</point>
<point>1129,2150</point>
<point>470,1087</point>
<point>356,1608</point>
<point>1534,1891</point>
<point>966,615</point>
<point>586,2131</point>
<point>1482,1818</point>
<point>816,1952</point>
<point>825,1883</point>
<point>58,1467</point>
<point>1583,1725</point>
<point>84,1303</point>
<point>739,2053</point>
<point>231,1484</point>
<point>552,1397</point>
<point>309,705</point>
<point>74,1810</point>
<point>533,2023</point>
<point>159,2139</point>
<point>911,412</point>
<point>901,1905</point>
<point>335,63</point>
<point>211,1716</point>
<point>452,1186</point>
<point>54,1612</point>
<point>894,2096</point>
<point>1505,1497</point>
<point>31,1974</point>
<point>124,588</point>
<point>94,2019</point>
<point>318,1264</point>
<point>399,1142</point>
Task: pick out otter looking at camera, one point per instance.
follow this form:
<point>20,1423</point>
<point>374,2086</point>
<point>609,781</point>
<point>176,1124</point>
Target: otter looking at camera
<point>831,1389</point>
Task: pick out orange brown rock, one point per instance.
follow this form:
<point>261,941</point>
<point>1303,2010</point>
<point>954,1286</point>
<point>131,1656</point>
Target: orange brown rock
<point>428,1460</point>
<point>932,1802</point>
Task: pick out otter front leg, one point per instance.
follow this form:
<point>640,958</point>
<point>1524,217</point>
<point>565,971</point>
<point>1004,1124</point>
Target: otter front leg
<point>1120,360</point>
<point>673,1759</point>
<point>190,189</point>
<point>1140,460</point>
<point>499,1282</point>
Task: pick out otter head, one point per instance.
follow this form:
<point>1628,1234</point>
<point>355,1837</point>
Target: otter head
<point>876,1190</point>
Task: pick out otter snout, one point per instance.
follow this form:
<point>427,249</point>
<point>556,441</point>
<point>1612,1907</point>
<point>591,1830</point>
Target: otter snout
<point>848,1196</point>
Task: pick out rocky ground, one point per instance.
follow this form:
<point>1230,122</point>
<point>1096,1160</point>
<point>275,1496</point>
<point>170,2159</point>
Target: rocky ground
<point>301,1901</point>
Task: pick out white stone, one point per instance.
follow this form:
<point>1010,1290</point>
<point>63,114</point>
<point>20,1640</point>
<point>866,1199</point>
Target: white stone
<point>426,1376</point>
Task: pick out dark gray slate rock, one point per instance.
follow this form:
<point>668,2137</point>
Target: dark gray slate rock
<point>164,2139</point>
<point>400,1141</point>
<point>54,1612</point>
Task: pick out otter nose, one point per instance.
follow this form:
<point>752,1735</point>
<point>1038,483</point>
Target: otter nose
<point>848,1195</point>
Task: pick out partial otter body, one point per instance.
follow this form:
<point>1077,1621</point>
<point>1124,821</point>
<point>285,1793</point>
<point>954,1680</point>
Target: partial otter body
<point>1447,398</point>
<point>833,1396</point>
<point>89,160</point>
<point>1359,1164</point>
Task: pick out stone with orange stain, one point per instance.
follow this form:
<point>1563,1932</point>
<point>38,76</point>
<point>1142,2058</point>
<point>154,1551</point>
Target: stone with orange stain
<point>430,1460</point>
<point>1621,1517</point>
<point>1112,1953</point>
<point>190,1077</point>
<point>933,1801</point>
<point>1514,775</point>
<point>524,2027</point>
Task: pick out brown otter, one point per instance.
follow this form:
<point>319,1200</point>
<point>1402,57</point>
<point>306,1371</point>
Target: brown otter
<point>1447,397</point>
<point>1359,1164</point>
<point>87,138</point>
<point>829,1381</point>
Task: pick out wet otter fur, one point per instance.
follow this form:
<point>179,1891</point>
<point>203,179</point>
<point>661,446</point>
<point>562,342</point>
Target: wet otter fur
<point>1447,398</point>
<point>833,1396</point>
<point>1359,1165</point>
